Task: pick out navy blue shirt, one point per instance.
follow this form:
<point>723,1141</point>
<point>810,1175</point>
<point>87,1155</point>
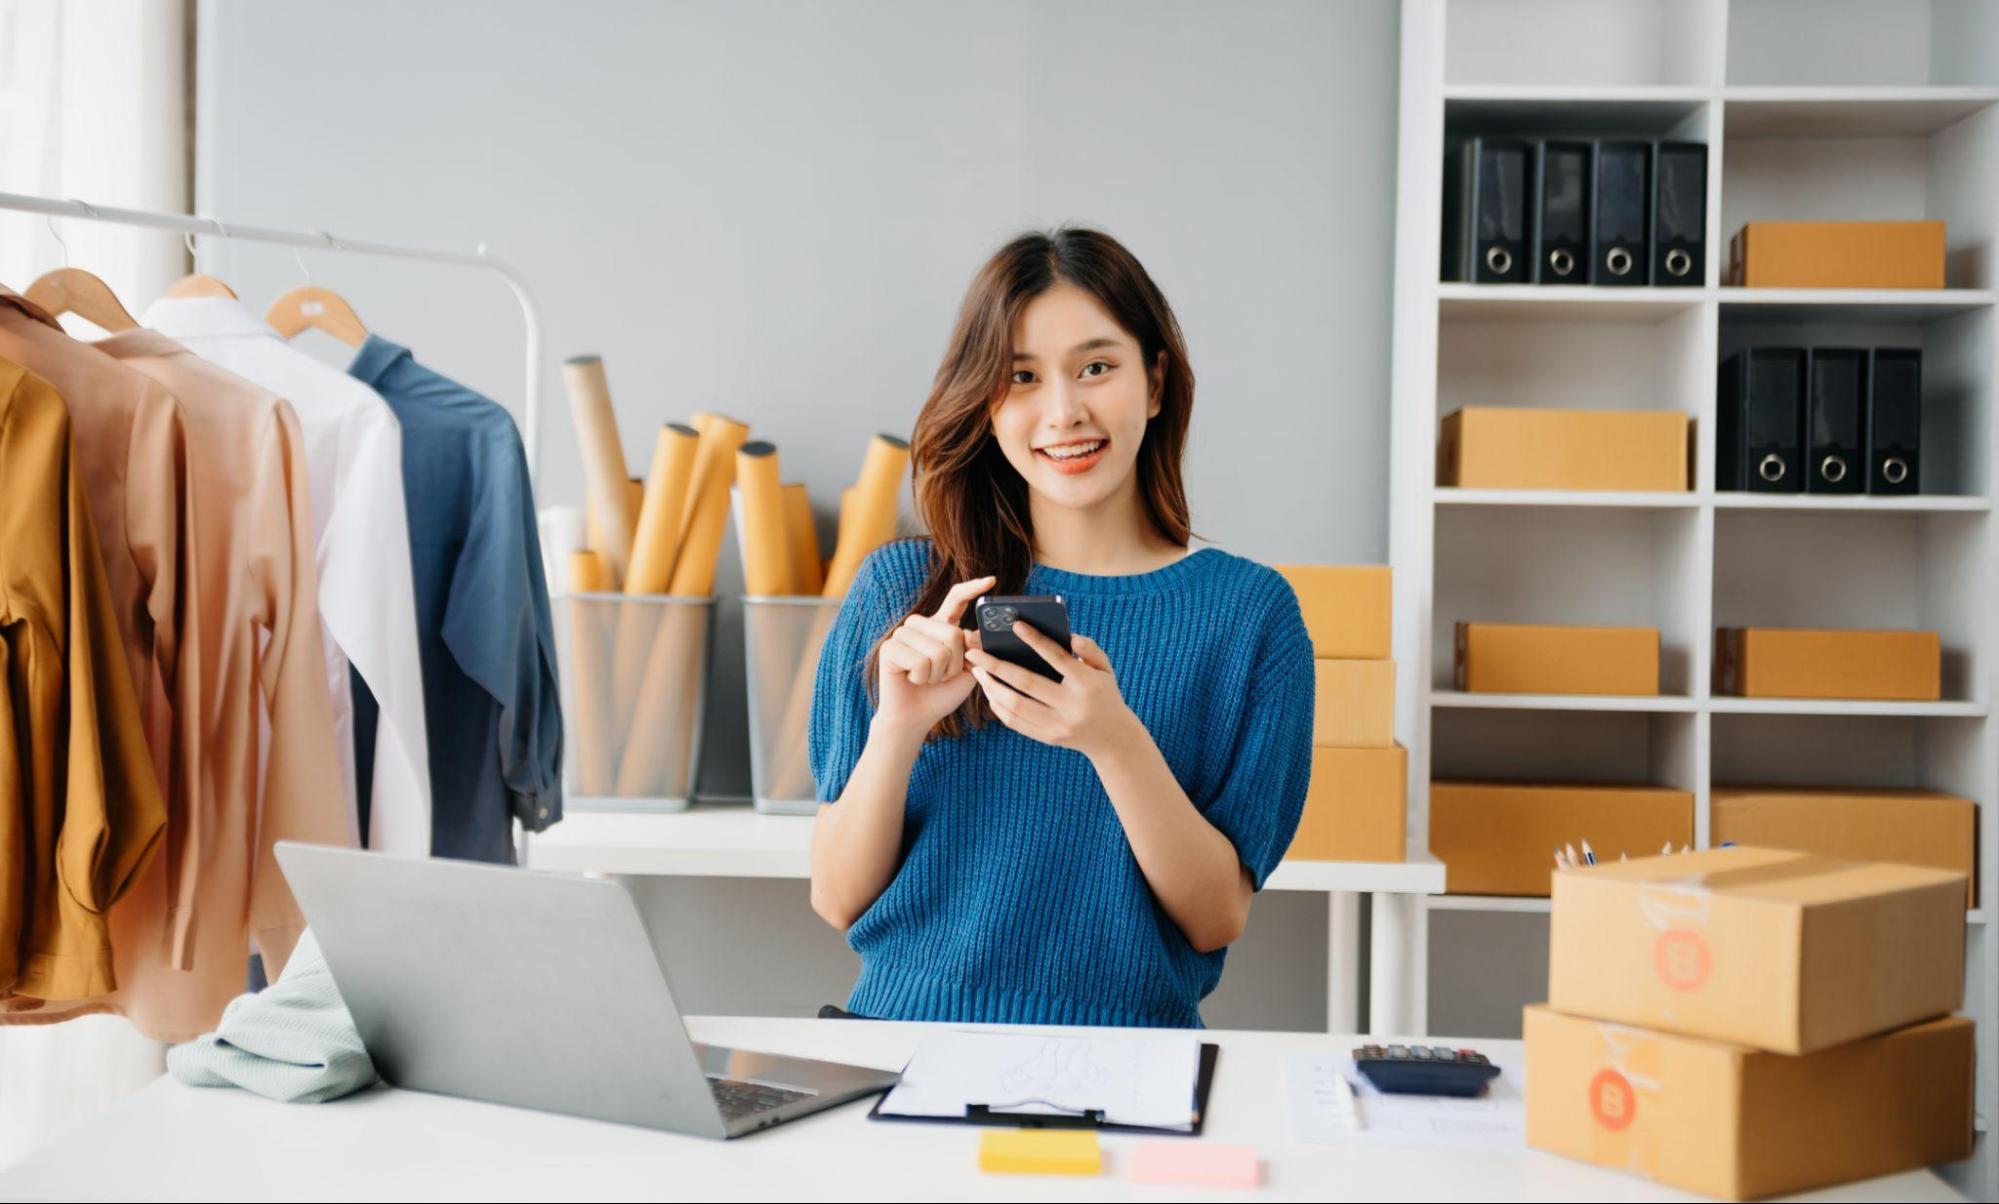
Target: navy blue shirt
<point>482,613</point>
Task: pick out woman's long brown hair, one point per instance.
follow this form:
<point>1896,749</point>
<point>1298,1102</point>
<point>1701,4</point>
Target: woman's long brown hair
<point>969,496</point>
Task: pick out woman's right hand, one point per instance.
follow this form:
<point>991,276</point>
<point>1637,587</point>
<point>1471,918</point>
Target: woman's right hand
<point>923,674</point>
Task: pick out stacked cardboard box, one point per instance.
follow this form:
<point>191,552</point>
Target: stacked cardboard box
<point>1355,809</point>
<point>1749,1021</point>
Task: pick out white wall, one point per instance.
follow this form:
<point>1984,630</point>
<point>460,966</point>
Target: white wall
<point>772,209</point>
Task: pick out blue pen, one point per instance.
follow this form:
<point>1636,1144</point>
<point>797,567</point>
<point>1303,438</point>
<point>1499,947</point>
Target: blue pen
<point>1589,854</point>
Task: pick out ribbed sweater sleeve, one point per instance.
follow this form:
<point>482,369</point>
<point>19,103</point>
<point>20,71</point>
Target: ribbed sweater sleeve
<point>1262,793</point>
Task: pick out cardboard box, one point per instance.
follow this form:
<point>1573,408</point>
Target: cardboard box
<point>1523,658</point>
<point>1499,838</point>
<point>1837,255</point>
<point>1354,705</point>
<point>1781,662</point>
<point>1740,1123</point>
<point>1346,607</point>
<point>1517,447</point>
<point>1357,806</point>
<point>1777,950</point>
<point>1909,827</point>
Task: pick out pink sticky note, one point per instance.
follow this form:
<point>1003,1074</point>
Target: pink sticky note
<point>1193,1164</point>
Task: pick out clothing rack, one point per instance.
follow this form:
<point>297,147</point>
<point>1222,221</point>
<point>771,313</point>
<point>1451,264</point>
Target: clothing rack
<point>320,240</point>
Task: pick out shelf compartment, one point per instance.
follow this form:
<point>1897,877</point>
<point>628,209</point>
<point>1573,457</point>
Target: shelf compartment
<point>1582,43</point>
<point>1573,565</point>
<point>1946,174</point>
<point>1512,352</point>
<point>1633,748</point>
<point>1849,750</point>
<point>1590,112</point>
<point>1870,43</point>
<point>1957,385</point>
<point>1851,570</point>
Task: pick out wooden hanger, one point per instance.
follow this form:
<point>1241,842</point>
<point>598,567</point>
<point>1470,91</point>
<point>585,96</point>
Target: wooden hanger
<point>199,286</point>
<point>75,291</point>
<point>312,306</point>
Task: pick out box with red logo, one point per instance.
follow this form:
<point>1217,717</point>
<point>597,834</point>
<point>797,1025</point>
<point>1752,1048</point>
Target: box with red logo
<point>1736,1122</point>
<point>1777,950</point>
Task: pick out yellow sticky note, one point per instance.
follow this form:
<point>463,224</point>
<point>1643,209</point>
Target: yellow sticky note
<point>1040,1152</point>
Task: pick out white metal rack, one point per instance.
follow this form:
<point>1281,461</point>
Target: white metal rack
<point>1850,109</point>
<point>319,240</point>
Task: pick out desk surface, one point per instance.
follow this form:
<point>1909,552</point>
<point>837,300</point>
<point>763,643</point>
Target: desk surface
<point>173,1142</point>
<point>728,841</point>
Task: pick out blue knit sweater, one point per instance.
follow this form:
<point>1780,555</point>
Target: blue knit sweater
<point>1018,899</point>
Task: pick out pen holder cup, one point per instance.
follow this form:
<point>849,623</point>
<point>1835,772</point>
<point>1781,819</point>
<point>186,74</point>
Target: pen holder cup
<point>781,641</point>
<point>634,681</point>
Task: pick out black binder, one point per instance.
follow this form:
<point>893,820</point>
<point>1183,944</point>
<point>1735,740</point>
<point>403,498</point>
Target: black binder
<point>1486,211</point>
<point>1620,232</point>
<point>978,1114</point>
<point>1894,420</point>
<point>1561,212</point>
<point>1835,407</point>
<point>1759,424</point>
<point>1679,213</point>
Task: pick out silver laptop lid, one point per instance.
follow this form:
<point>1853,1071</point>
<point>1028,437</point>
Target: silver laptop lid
<point>501,984</point>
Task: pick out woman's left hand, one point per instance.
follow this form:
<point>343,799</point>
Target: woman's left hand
<point>1083,711</point>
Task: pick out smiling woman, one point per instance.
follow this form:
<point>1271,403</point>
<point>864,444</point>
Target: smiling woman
<point>1001,846</point>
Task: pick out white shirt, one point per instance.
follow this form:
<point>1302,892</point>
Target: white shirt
<point>367,602</point>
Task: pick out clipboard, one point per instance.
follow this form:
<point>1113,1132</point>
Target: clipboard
<point>979,1114</point>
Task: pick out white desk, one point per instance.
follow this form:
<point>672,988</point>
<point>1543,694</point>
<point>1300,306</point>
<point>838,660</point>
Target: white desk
<point>174,1142</point>
<point>738,842</point>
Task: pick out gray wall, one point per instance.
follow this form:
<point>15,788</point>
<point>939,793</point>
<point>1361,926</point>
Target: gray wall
<point>772,210</point>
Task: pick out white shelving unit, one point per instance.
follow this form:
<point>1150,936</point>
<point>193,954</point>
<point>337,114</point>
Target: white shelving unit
<point>1811,109</point>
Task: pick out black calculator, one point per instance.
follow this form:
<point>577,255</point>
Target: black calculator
<point>1425,1069</point>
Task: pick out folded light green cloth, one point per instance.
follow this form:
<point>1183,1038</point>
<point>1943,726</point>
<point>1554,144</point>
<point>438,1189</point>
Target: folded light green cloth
<point>293,1041</point>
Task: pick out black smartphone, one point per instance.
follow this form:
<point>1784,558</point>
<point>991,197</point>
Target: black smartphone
<point>1046,613</point>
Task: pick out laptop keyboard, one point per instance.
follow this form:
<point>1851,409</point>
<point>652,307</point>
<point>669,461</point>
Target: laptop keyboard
<point>738,1099</point>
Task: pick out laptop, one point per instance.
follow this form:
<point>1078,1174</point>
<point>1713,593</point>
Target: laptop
<point>539,990</point>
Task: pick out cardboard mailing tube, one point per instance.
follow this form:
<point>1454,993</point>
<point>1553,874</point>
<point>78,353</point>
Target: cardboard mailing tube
<point>593,730</point>
<point>715,471</point>
<point>802,540</point>
<point>662,716</point>
<point>653,552</point>
<point>657,540</point>
<point>603,459</point>
<point>702,423</point>
<point>869,523</point>
<point>760,526</point>
<point>593,526</point>
<point>638,627</point>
